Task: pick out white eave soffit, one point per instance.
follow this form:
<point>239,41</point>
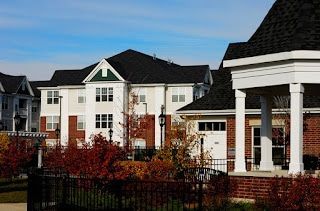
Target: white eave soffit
<point>276,57</point>
<point>98,67</point>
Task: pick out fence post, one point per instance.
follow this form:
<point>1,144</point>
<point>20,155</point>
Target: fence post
<point>30,195</point>
<point>200,195</point>
<point>119,195</point>
<point>64,191</point>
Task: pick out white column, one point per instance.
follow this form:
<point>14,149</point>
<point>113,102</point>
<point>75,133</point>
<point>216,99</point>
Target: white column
<point>159,101</point>
<point>64,129</point>
<point>40,156</point>
<point>296,129</point>
<point>266,163</point>
<point>90,111</point>
<point>240,164</point>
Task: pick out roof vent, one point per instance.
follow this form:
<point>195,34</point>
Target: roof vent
<point>154,56</point>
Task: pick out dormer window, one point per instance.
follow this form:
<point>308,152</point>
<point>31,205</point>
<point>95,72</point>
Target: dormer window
<point>104,73</point>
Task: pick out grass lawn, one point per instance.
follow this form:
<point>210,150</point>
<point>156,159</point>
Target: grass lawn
<point>13,197</point>
<point>13,191</point>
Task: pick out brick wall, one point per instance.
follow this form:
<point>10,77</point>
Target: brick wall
<point>43,128</point>
<point>231,135</point>
<point>250,187</point>
<point>74,133</point>
<point>150,133</point>
<point>311,135</point>
<point>168,129</point>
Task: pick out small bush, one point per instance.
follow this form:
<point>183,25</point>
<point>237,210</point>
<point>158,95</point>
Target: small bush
<point>301,192</point>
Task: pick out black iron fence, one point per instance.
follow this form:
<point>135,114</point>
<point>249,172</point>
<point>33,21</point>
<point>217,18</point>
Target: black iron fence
<point>47,191</point>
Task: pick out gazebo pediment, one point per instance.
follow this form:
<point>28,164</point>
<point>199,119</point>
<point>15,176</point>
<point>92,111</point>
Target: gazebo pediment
<point>275,69</point>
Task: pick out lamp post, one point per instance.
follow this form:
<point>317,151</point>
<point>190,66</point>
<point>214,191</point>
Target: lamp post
<point>17,120</point>
<point>57,132</point>
<point>110,135</point>
<point>162,122</point>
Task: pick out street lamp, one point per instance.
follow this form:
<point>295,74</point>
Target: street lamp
<point>57,131</point>
<point>110,135</point>
<point>162,122</point>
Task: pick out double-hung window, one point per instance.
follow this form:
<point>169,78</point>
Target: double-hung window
<point>104,120</point>
<point>52,97</point>
<point>178,94</point>
<point>278,145</point>
<point>52,122</point>
<point>104,94</point>
<point>81,122</point>
<point>81,96</point>
<point>142,95</point>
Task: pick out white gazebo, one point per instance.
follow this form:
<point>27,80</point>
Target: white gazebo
<point>281,58</point>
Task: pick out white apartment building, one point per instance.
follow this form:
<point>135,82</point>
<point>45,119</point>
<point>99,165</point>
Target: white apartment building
<point>92,100</point>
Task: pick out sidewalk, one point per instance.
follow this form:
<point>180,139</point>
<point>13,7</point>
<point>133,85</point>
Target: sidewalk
<point>13,207</point>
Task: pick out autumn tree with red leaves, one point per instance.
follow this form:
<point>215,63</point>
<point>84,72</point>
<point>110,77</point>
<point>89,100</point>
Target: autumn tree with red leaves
<point>136,126</point>
<point>15,155</point>
<point>96,160</point>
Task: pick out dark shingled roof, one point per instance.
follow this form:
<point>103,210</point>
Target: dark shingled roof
<point>289,25</point>
<point>138,68</point>
<point>36,84</point>
<point>11,83</point>
<point>221,95</point>
<point>71,77</point>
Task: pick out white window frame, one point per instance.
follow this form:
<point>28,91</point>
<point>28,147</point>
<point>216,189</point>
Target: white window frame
<point>53,121</point>
<point>142,97</point>
<point>104,73</point>
<point>178,94</point>
<point>81,96</point>
<point>81,122</point>
<point>104,121</point>
<point>54,97</point>
<point>213,126</point>
<point>259,146</point>
<point>104,94</point>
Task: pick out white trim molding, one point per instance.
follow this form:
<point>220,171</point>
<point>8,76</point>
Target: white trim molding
<point>276,57</point>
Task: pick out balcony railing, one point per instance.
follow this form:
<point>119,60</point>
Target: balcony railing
<point>23,111</point>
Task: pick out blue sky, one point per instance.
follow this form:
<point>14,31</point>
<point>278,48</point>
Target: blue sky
<point>39,36</point>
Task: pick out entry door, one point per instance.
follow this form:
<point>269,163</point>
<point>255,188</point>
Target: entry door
<point>215,140</point>
<point>216,143</point>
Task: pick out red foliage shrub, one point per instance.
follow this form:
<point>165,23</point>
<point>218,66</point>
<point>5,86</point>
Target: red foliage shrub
<point>98,160</point>
<point>301,192</point>
<point>160,169</point>
<point>131,170</point>
<point>16,156</point>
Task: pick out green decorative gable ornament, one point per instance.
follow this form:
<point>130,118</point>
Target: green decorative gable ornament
<point>104,75</point>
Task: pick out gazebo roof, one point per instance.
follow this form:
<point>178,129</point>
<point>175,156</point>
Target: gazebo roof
<point>289,25</point>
